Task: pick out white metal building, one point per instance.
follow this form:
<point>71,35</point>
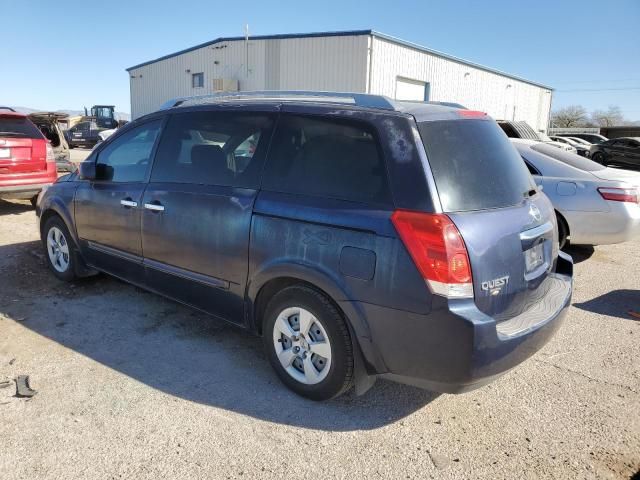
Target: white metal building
<point>361,61</point>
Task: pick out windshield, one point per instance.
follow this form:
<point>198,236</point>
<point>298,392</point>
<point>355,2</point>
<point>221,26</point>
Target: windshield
<point>580,141</point>
<point>474,165</point>
<point>566,157</point>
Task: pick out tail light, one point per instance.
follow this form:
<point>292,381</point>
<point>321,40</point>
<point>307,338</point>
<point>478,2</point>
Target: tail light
<point>619,194</point>
<point>438,251</point>
<point>50,156</point>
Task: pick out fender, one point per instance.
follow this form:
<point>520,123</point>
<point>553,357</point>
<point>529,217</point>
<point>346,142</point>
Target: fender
<point>56,204</point>
<point>332,286</point>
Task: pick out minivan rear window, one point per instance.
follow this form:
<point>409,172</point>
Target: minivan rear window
<point>20,127</point>
<point>474,165</point>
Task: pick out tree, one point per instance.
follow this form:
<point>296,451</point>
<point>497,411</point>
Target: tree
<point>571,116</point>
<point>608,118</point>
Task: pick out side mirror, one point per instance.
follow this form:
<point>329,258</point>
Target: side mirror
<point>87,170</point>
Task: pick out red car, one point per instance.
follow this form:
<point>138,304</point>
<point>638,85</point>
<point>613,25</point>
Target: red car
<point>27,162</point>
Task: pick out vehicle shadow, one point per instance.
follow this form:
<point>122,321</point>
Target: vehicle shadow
<point>616,303</point>
<point>14,207</point>
<point>580,253</point>
<point>179,351</point>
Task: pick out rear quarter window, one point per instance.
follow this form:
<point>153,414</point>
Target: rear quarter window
<point>327,158</point>
<point>474,165</point>
<point>20,127</point>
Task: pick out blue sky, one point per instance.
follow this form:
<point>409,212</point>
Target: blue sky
<point>69,54</point>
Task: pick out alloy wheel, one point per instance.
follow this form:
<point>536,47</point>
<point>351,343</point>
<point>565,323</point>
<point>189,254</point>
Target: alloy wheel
<point>58,249</point>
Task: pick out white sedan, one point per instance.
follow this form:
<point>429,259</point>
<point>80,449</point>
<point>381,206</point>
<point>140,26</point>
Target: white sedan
<point>595,205</point>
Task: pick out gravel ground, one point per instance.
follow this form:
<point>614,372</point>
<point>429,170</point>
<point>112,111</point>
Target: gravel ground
<point>130,385</point>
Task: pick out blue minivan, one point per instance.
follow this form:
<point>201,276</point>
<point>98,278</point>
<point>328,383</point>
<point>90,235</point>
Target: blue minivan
<point>359,236</point>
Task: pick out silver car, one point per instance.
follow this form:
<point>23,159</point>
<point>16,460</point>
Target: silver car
<point>595,205</point>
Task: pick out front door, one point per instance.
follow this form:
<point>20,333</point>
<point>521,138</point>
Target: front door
<point>198,205</point>
<point>614,150</point>
<point>630,154</point>
<point>108,209</point>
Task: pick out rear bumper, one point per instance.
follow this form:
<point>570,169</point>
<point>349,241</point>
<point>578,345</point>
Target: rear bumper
<point>457,348</point>
<point>22,191</point>
<point>620,224</point>
<point>65,165</point>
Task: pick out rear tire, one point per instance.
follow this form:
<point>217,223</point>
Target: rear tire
<point>563,231</point>
<point>60,251</point>
<point>308,343</point>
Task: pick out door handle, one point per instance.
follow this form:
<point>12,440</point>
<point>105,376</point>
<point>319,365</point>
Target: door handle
<point>156,207</point>
<point>128,203</point>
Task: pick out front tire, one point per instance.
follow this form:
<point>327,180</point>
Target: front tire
<point>308,343</point>
<point>59,249</point>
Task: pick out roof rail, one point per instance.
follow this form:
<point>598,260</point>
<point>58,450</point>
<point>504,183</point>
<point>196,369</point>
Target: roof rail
<point>7,108</point>
<point>358,99</point>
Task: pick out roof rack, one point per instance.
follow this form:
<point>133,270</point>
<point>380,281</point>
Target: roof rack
<point>357,99</point>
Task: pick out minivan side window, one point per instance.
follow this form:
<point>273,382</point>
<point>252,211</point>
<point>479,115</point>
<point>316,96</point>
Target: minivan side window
<point>128,157</point>
<point>327,158</point>
<point>213,148</point>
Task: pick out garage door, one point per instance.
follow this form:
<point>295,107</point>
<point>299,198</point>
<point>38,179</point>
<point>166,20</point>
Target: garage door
<point>415,90</point>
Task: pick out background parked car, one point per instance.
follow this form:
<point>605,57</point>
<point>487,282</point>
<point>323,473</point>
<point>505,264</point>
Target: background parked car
<point>581,149</point>
<point>515,129</point>
<point>593,138</point>
<point>27,162</point>
<point>595,205</point>
<point>104,134</point>
<point>83,134</point>
<point>621,152</point>
<point>581,141</point>
<point>48,123</point>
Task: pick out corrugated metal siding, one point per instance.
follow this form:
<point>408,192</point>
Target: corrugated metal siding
<point>499,96</point>
<point>322,63</point>
<point>158,82</point>
<point>331,64</point>
<point>338,63</point>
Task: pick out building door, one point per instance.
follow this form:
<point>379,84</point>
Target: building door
<point>412,90</point>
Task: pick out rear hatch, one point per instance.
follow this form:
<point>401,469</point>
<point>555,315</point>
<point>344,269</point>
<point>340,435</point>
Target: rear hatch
<point>23,148</point>
<point>507,225</point>
<point>49,124</point>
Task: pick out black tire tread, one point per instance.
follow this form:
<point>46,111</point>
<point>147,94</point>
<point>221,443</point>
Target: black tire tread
<point>563,231</point>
